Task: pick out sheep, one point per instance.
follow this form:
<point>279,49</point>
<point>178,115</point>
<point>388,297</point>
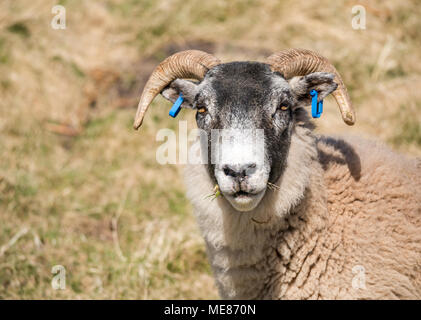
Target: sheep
<point>321,217</point>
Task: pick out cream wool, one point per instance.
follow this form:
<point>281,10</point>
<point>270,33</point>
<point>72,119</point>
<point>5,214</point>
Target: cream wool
<point>341,203</point>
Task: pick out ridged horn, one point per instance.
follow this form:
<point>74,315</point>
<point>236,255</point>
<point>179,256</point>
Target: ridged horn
<point>300,62</point>
<point>189,64</point>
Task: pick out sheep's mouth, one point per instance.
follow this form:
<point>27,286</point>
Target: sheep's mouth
<point>242,194</point>
<point>244,201</point>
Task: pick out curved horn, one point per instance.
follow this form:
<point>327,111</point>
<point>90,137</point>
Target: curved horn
<point>190,64</point>
<point>300,62</point>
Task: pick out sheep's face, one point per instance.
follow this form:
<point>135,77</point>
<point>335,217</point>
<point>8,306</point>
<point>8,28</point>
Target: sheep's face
<point>248,112</point>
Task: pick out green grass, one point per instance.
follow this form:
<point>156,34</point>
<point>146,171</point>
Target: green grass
<point>4,54</point>
<point>408,120</point>
<point>20,29</point>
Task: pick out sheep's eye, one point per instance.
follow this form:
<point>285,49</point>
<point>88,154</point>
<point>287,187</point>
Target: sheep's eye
<point>202,110</point>
<point>284,108</point>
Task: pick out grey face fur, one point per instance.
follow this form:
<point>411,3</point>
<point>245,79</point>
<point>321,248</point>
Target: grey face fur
<point>245,96</point>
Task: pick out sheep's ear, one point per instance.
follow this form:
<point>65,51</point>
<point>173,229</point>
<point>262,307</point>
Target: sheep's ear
<point>186,87</point>
<point>322,82</point>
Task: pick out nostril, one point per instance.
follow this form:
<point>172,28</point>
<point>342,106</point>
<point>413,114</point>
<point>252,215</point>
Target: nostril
<point>251,166</point>
<point>249,169</point>
<point>242,171</point>
<point>229,171</point>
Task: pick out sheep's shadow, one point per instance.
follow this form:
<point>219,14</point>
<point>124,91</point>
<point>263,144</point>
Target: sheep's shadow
<point>348,156</point>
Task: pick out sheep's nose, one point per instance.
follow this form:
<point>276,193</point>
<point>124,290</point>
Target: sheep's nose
<point>239,171</point>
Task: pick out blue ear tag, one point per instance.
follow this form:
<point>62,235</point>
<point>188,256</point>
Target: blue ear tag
<point>176,107</point>
<point>316,107</point>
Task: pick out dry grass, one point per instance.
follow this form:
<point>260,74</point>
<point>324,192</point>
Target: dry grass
<point>93,198</point>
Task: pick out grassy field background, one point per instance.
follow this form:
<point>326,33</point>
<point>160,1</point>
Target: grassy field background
<point>80,188</point>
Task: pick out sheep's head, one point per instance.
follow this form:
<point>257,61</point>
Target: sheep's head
<point>254,104</point>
